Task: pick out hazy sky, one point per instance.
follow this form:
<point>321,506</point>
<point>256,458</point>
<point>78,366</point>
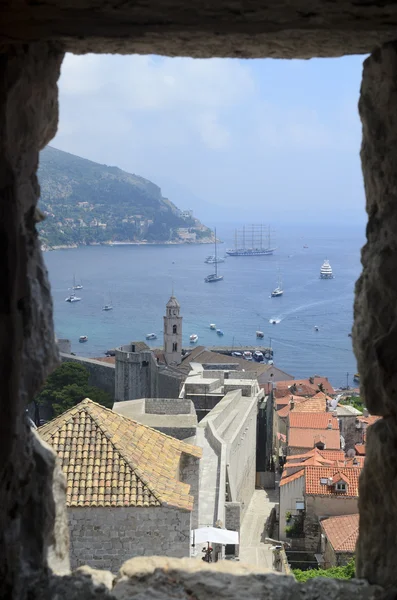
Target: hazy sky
<point>263,140</point>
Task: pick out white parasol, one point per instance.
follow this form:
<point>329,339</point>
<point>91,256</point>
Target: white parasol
<point>213,535</point>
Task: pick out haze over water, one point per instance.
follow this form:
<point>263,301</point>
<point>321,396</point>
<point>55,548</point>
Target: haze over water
<point>140,279</point>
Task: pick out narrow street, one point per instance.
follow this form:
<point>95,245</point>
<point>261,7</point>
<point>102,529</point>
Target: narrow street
<point>253,549</point>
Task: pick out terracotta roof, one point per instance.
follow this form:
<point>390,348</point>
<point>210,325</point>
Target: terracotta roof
<point>331,455</point>
<point>316,404</point>
<point>307,438</point>
<point>342,532</point>
<point>307,420</point>
<point>201,355</point>
<point>360,449</point>
<point>284,400</point>
<point>303,387</point>
<point>289,478</point>
<point>111,460</point>
<point>314,487</point>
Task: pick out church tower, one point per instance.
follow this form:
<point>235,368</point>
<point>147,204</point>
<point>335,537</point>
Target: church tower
<point>173,332</point>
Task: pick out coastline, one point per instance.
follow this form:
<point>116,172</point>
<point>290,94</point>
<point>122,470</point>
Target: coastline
<point>46,248</point>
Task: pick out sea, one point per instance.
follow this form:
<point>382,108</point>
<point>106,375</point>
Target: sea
<point>139,279</point>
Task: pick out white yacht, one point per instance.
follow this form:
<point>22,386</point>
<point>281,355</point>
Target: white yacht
<point>326,270</point>
<point>260,334</point>
<point>83,338</point>
<point>72,298</point>
<point>151,336</point>
<point>278,291</point>
<point>213,326</point>
<point>212,260</point>
<point>193,338</point>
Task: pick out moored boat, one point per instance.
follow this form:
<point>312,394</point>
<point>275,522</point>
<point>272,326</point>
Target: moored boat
<point>214,276</point>
<point>193,338</point>
<point>247,355</point>
<point>326,270</point>
<point>213,326</point>
<point>151,336</point>
<point>260,334</point>
<point>83,338</point>
<point>72,298</point>
<point>219,332</point>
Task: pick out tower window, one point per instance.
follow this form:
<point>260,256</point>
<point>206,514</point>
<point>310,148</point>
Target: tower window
<point>174,329</point>
<point>175,346</point>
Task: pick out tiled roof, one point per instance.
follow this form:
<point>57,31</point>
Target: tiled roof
<point>314,487</point>
<point>331,455</point>
<point>315,404</point>
<point>342,532</point>
<point>360,449</point>
<point>201,355</point>
<point>312,420</point>
<point>289,478</point>
<point>284,400</point>
<point>303,387</point>
<point>110,460</point>
<point>307,438</point>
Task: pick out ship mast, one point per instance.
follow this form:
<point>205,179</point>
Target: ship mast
<point>216,257</point>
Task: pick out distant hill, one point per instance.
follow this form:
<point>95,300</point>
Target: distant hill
<point>87,203</point>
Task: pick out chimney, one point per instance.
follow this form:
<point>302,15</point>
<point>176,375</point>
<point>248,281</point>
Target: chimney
<point>291,403</point>
<point>329,426</point>
<point>365,412</point>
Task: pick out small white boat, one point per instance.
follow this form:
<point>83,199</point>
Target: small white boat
<point>258,356</point>
<point>193,338</point>
<point>219,332</point>
<point>213,326</point>
<point>107,307</point>
<point>83,338</point>
<point>247,355</point>
<point>212,260</point>
<point>72,298</point>
<point>315,328</point>
<point>237,354</point>
<point>260,334</point>
<point>151,336</point>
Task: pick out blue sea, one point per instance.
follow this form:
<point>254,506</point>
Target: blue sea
<point>139,281</point>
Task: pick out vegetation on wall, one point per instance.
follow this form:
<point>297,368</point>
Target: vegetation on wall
<point>346,572</point>
<point>67,386</point>
<point>354,401</point>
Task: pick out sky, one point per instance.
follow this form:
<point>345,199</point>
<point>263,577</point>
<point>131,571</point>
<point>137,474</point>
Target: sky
<point>235,140</point>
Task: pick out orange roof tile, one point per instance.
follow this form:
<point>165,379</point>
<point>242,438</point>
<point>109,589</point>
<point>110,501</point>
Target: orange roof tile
<point>360,449</point>
<point>342,532</point>
<point>314,487</point>
<point>369,420</point>
<point>307,438</point>
<point>331,455</point>
<point>111,460</point>
<point>289,478</point>
<point>311,420</point>
<point>316,404</point>
<point>303,387</point>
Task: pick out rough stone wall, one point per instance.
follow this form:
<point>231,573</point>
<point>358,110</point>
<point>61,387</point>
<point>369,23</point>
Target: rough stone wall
<point>28,353</point>
<point>375,327</point>
<point>180,433</point>
<point>102,375</point>
<point>105,537</point>
<point>329,555</point>
<point>169,383</point>
<point>168,406</point>
<point>233,519</point>
<point>289,493</point>
<point>350,433</point>
<point>136,374</point>
<point>189,472</point>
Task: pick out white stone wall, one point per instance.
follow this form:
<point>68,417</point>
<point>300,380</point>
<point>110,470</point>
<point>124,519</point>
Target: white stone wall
<point>105,537</point>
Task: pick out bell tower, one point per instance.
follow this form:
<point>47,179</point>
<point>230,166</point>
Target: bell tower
<point>173,332</point>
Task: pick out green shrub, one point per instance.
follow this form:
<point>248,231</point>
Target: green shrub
<point>346,572</point>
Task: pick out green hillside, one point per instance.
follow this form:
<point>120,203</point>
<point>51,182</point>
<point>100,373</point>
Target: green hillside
<point>88,203</point>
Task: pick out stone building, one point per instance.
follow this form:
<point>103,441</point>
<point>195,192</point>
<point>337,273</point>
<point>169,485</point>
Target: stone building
<point>339,537</point>
<point>122,500</point>
<point>312,493</point>
<point>173,333</point>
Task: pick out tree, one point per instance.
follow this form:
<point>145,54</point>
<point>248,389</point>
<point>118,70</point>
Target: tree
<point>67,386</point>
<point>346,572</point>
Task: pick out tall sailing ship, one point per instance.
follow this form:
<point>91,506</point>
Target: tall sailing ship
<point>252,240</point>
